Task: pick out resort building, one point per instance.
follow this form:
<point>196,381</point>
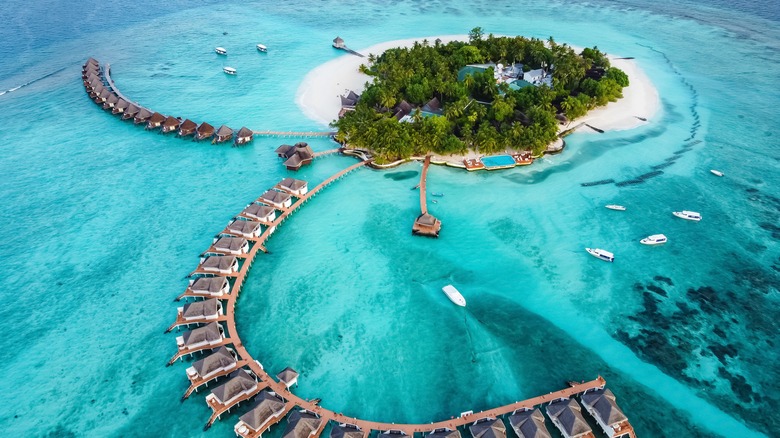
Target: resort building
<point>170,124</point>
<point>120,106</point>
<point>131,111</point>
<point>260,212</point>
<point>538,77</point>
<point>529,423</point>
<point>294,186</point>
<point>217,363</point>
<point>288,376</point>
<point>209,287</point>
<point>268,406</point>
<point>111,101</point>
<point>231,245</point>
<point>201,337</point>
<point>338,43</point>
<point>205,310</point>
<point>296,156</point>
<point>444,433</point>
<point>277,199</point>
<point>488,428</point>
<point>222,265</point>
<point>243,136</point>
<point>302,424</point>
<point>426,225</point>
<point>248,229</point>
<point>345,430</point>
<point>186,128</point>
<point>204,131</point>
<point>142,116</point>
<point>602,406</point>
<point>566,415</point>
<point>102,96</point>
<point>242,384</point>
<point>223,134</point>
<point>155,121</point>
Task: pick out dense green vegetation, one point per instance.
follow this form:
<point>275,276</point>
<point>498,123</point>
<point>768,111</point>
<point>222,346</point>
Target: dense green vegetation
<point>478,113</point>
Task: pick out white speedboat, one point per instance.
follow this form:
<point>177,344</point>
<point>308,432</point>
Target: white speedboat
<point>689,215</point>
<point>601,254</point>
<point>454,295</point>
<point>716,172</point>
<point>616,207</point>
<point>262,48</point>
<point>229,70</point>
<point>221,51</point>
<point>655,239</point>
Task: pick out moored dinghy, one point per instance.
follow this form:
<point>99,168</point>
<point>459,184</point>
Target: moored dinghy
<point>454,295</point>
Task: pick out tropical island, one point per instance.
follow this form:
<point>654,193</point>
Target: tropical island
<point>489,94</point>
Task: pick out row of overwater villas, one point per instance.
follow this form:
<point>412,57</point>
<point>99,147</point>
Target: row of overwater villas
<point>268,408</point>
<point>111,101</point>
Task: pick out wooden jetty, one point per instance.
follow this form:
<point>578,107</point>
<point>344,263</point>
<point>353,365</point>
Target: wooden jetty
<point>338,43</point>
<point>294,133</point>
<point>425,224</point>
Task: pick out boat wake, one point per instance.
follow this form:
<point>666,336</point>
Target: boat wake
<point>11,90</point>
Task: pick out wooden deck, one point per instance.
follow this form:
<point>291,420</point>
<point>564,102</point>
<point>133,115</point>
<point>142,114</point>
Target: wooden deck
<point>328,152</point>
<point>425,224</point>
<point>294,133</point>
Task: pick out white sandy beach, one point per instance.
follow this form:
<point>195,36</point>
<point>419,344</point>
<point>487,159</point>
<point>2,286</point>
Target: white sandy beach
<point>318,94</point>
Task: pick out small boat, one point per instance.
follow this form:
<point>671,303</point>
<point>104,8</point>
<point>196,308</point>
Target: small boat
<point>601,254</point>
<point>454,295</point>
<point>716,172</point>
<point>688,215</point>
<point>616,207</point>
<point>437,194</point>
<point>434,201</point>
<point>655,239</point>
<point>262,48</point>
<point>229,70</point>
<point>221,51</point>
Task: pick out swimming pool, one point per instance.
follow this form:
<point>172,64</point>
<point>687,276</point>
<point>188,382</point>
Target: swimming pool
<point>498,162</point>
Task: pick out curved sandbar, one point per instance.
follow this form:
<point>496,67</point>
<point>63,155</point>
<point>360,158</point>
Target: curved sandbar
<point>318,94</point>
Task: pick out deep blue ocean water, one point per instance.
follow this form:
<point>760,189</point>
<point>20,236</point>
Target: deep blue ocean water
<point>102,221</point>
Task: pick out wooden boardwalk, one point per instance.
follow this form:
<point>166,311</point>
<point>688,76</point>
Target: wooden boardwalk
<point>110,82</point>
<point>425,224</point>
<point>328,152</point>
<point>295,133</point>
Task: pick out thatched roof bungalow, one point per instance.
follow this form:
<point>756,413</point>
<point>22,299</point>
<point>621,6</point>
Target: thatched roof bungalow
<point>302,424</point>
<point>248,229</point>
<point>210,334</point>
<point>241,383</point>
<point>223,134</point>
<point>297,156</point>
<point>243,136</point>
<point>529,423</point>
<point>204,131</point>
<point>276,199</point>
<point>263,213</point>
<point>223,265</point>
<point>232,245</point>
<point>200,310</point>
<point>444,433</point>
<point>221,360</point>
<point>288,376</point>
<point>488,428</point>
<point>186,128</point>
<point>345,431</point>
<point>120,106</point>
<point>155,121</point>
<point>96,90</point>
<point>170,124</point>
<point>210,286</point>
<point>102,96</point>
<point>338,43</point>
<point>566,415</point>
<point>131,111</point>
<point>268,406</point>
<point>602,406</point>
<point>142,116</point>
<point>295,186</point>
<point>111,101</point>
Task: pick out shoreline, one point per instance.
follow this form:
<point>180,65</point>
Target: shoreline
<point>319,91</point>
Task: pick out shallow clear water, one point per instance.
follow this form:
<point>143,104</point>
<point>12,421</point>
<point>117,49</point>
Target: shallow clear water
<point>102,221</point>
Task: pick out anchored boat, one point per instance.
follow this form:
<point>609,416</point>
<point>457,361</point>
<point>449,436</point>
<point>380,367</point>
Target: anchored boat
<point>221,51</point>
<point>454,295</point>
<point>716,172</point>
<point>262,48</point>
<point>601,254</point>
<point>615,207</point>
<point>655,239</point>
<point>229,70</point>
<point>688,215</point>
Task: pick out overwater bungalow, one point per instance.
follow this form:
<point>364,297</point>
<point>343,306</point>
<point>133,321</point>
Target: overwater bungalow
<point>209,287</point>
<point>102,96</point>
<point>267,409</point>
<point>426,225</point>
<point>263,213</point>
<point>302,424</point>
<point>186,128</point>
<point>200,338</point>
<point>529,423</point>
<point>294,186</point>
<point>288,376</point>
<point>131,111</point>
<point>392,434</point>
<point>223,134</point>
<point>566,415</point>
<point>296,156</point>
<point>602,406</point>
<point>155,121</point>
<point>170,124</point>
<point>344,430</point>
<point>231,245</point>
<point>338,43</point>
<point>276,199</point>
<point>204,131</point>
<point>241,386</point>
<point>111,101</point>
<point>219,362</point>
<point>444,433</point>
<point>248,229</point>
<point>488,428</point>
<point>243,136</point>
<point>201,311</point>
<point>120,106</point>
<point>91,82</point>
<point>222,265</point>
<point>99,88</point>
<point>142,116</point>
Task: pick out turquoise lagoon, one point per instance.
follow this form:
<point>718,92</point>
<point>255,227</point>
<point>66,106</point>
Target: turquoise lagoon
<point>102,221</point>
